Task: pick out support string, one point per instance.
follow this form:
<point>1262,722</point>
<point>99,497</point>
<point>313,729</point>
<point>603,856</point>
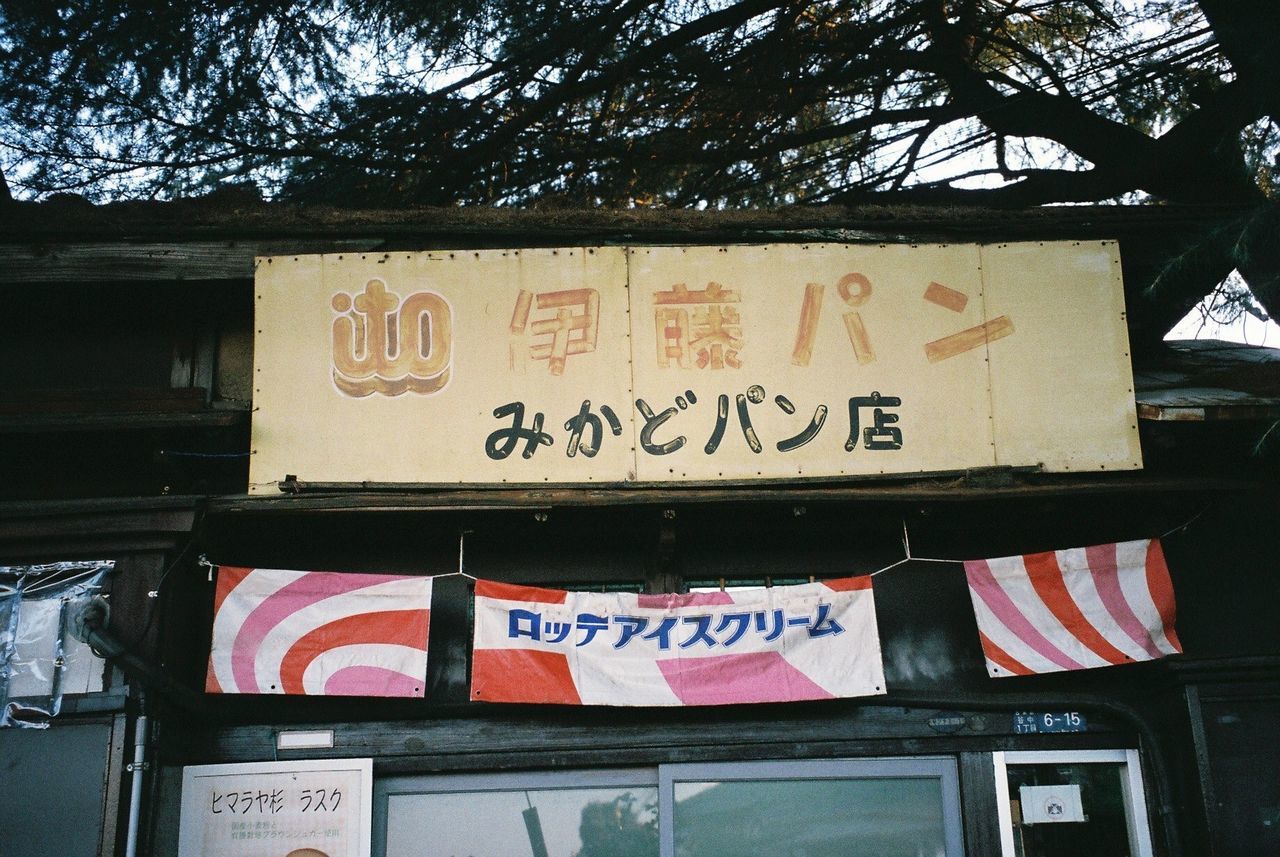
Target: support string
<point>906,549</point>
<point>462,547</point>
<point>54,580</point>
<point>1179,529</point>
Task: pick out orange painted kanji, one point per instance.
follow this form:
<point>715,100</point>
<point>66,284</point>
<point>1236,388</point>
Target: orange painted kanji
<point>572,329</point>
<point>709,334</point>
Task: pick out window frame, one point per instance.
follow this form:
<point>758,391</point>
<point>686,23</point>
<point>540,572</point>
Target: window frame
<point>384,788</point>
<point>941,767</point>
<point>665,776</point>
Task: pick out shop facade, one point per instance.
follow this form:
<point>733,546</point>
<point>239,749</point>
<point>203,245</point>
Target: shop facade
<point>1165,757</point>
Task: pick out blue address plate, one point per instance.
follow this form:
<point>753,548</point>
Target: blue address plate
<point>1035,722</point>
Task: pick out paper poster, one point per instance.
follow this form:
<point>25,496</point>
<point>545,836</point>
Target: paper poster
<point>313,808</point>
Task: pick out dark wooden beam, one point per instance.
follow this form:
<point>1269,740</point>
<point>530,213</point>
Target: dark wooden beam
<point>504,739</point>
<point>132,262</point>
<point>31,423</point>
<point>369,497</point>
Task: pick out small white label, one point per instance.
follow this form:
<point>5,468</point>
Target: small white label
<point>320,739</point>
<point>1051,804</point>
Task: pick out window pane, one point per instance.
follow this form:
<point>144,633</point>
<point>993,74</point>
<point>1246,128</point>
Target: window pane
<point>1243,760</point>
<point>1066,810</point>
<point>587,822</point>
<point>870,817</point>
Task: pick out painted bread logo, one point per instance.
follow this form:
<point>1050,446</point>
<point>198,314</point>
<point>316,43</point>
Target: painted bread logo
<point>384,345</point>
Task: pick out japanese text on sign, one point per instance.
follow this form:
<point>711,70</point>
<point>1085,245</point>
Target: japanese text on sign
<point>682,631</point>
<point>262,809</point>
<point>881,434</point>
<point>807,641</point>
<point>654,364</point>
<point>274,801</point>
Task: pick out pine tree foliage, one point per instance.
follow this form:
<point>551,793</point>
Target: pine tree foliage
<point>676,103</point>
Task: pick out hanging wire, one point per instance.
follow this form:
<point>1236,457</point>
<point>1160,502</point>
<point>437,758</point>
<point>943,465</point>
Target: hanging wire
<point>906,544</point>
<point>1181,527</point>
<point>54,580</point>
<point>174,453</point>
<point>462,543</point>
<point>461,570</point>
<point>906,549</point>
<point>153,597</point>
<point>462,547</point>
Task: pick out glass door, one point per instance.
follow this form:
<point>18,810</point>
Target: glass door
<point>1069,803</point>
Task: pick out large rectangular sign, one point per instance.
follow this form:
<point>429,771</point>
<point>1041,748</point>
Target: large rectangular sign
<point>660,364</point>
<point>777,644</point>
<point>314,808</point>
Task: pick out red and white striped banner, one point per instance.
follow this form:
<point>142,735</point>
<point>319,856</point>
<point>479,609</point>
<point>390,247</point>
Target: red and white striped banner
<point>319,633</point>
<point>778,644</point>
<point>1074,609</point>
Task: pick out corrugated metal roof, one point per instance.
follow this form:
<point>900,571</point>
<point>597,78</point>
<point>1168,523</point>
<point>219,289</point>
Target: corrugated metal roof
<point>1211,380</point>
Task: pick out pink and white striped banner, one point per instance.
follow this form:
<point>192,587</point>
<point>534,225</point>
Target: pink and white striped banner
<point>319,633</point>
<point>779,644</point>
<point>1074,609</point>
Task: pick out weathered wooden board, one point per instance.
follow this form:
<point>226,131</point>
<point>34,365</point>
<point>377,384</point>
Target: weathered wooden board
<point>121,261</point>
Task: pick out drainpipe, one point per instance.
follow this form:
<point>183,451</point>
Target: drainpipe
<point>91,627</point>
<point>136,767</point>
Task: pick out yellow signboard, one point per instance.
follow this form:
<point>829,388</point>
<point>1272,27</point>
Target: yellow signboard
<point>660,364</point>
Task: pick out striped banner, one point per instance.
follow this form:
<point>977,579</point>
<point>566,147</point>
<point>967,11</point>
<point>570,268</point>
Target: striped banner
<point>319,633</point>
<point>779,644</point>
<point>1074,609</point>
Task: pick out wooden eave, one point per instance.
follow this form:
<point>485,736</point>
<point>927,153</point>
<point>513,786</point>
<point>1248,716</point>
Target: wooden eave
<point>218,239</point>
<point>94,528</point>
